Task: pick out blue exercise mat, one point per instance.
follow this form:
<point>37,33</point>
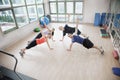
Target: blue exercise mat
<point>103,19</point>
<point>116,71</point>
<point>97,19</point>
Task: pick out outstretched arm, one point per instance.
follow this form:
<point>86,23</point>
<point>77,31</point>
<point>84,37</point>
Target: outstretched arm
<point>53,39</point>
<point>48,44</point>
<point>70,47</point>
<point>62,38</point>
<point>68,18</point>
<point>46,26</point>
<point>76,28</point>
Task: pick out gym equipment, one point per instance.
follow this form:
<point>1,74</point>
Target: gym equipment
<point>115,55</point>
<point>37,29</point>
<point>97,19</point>
<point>7,74</point>
<point>104,33</point>
<point>44,20</point>
<point>116,21</point>
<point>116,71</point>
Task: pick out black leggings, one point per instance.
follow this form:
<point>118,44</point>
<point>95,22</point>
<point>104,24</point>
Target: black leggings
<point>38,36</point>
<point>32,44</point>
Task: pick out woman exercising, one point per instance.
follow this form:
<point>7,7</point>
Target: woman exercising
<point>84,41</point>
<point>45,32</point>
<point>35,42</point>
<point>68,29</point>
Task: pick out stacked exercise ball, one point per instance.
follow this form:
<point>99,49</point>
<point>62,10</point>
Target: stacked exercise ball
<point>43,21</point>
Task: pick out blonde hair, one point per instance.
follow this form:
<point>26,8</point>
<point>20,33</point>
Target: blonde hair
<point>60,28</point>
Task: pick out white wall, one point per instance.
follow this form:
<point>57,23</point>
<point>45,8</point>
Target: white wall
<point>9,39</point>
<point>93,6</point>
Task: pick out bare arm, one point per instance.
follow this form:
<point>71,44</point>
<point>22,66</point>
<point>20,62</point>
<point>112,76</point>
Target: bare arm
<point>76,28</point>
<point>70,47</point>
<point>62,38</point>
<point>48,44</point>
<point>53,39</point>
<point>46,26</point>
<point>68,18</point>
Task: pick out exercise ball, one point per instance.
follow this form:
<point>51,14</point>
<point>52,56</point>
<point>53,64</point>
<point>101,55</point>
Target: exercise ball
<point>46,20</point>
<point>43,21</point>
<point>37,29</point>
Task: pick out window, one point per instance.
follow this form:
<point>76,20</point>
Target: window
<point>61,18</point>
<point>69,7</point>
<point>61,7</point>
<point>80,17</point>
<point>53,7</point>
<point>40,10</point>
<point>21,16</point>
<point>18,2</point>
<point>78,7</point>
<point>72,18</point>
<point>7,21</point>
<point>32,13</point>
<point>4,3</point>
<point>39,1</point>
<point>54,17</point>
<point>30,1</point>
<point>52,0</point>
<point>17,13</point>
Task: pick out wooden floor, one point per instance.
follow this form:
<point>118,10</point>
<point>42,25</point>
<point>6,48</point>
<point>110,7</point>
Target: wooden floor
<point>59,64</point>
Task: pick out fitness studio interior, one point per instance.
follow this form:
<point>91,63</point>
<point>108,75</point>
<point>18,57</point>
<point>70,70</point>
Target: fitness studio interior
<point>59,39</point>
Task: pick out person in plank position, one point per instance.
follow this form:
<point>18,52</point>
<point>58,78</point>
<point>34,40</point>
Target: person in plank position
<point>36,42</point>
<point>84,41</point>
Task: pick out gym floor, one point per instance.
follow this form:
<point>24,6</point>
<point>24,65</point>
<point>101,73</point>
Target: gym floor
<point>58,64</point>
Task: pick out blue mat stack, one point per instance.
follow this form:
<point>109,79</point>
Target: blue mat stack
<point>97,19</point>
<point>102,22</point>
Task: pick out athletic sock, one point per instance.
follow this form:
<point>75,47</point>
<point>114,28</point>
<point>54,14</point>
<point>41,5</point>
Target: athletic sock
<point>102,51</point>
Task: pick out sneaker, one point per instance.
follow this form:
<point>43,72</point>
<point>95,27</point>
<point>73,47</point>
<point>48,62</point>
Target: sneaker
<point>102,52</point>
<point>28,42</point>
<point>21,53</point>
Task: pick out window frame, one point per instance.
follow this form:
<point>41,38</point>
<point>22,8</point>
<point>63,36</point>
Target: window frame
<point>65,3</point>
<point>12,7</point>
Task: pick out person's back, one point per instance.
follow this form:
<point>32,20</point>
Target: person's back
<point>68,29</point>
<point>77,39</point>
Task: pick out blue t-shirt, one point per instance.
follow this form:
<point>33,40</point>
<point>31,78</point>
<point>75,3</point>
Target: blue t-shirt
<point>77,39</point>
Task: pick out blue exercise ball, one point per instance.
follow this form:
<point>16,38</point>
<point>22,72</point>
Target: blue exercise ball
<point>43,21</point>
<point>46,20</point>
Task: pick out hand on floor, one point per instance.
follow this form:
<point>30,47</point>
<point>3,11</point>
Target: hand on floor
<point>61,40</point>
<point>68,50</point>
<point>51,48</point>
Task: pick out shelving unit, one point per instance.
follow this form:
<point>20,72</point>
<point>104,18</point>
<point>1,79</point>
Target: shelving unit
<point>114,32</point>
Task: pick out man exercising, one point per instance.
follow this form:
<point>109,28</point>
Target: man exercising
<point>68,29</point>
